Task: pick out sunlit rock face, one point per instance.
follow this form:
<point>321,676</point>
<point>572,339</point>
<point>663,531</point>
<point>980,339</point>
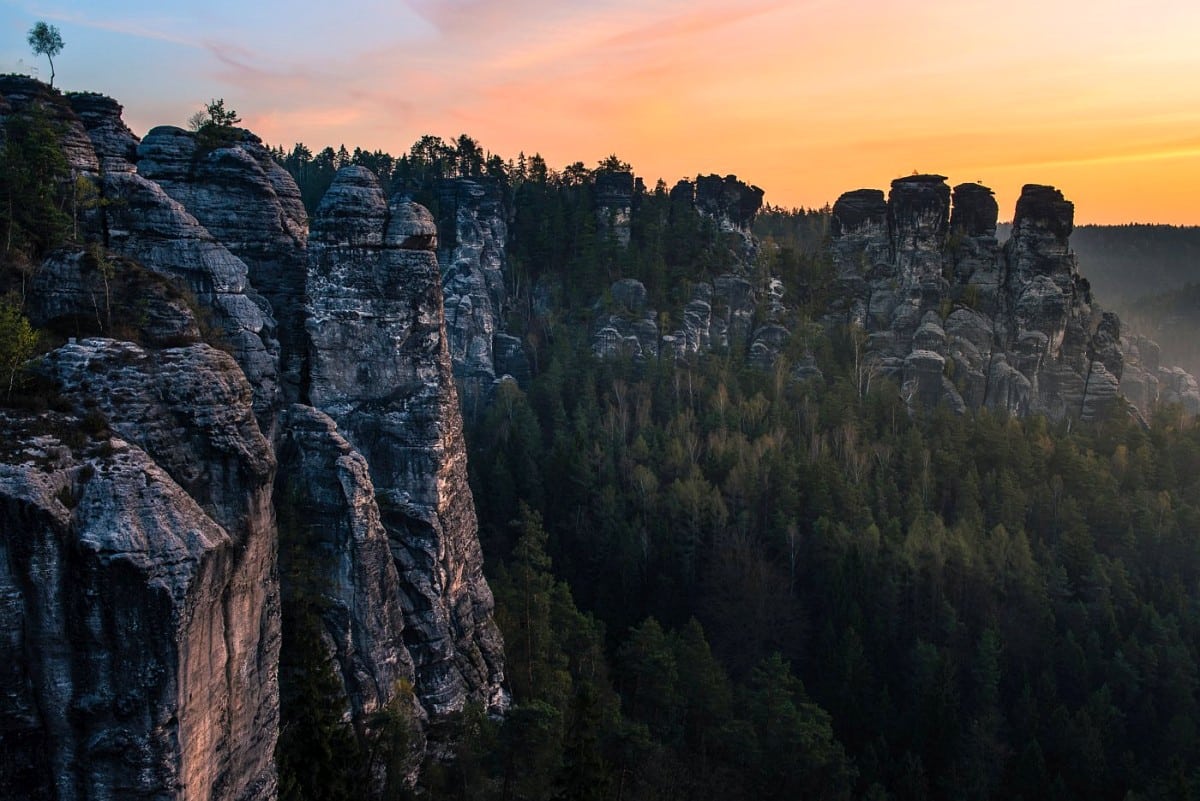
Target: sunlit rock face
<point>139,585</point>
<point>959,320</point>
<point>381,369</point>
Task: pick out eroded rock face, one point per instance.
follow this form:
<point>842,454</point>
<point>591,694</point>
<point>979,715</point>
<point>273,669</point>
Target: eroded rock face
<point>380,366</point>
<point>961,321</point>
<point>141,575</point>
<point>252,206</point>
<point>144,224</point>
<point>115,145</point>
<point>326,488</point>
<point>472,237</point>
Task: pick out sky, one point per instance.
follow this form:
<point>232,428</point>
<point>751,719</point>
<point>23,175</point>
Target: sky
<point>806,99</point>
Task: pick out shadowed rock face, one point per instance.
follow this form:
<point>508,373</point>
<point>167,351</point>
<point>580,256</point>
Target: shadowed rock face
<point>960,320</point>
<point>728,200</point>
<point>854,210</point>
<point>252,206</point>
<point>614,205</point>
<point>381,369</point>
<point>471,243</point>
<point>975,210</point>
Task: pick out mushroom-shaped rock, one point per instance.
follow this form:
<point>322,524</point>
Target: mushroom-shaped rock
<point>410,227</point>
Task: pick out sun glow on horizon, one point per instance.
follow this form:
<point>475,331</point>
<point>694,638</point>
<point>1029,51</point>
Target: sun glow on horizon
<point>804,99</point>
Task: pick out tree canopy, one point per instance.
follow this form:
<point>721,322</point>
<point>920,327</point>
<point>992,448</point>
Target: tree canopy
<point>46,41</point>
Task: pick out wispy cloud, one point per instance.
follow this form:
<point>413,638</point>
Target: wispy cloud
<point>141,29</point>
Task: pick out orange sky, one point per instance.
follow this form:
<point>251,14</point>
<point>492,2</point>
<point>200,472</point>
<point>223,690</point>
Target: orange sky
<point>805,99</point>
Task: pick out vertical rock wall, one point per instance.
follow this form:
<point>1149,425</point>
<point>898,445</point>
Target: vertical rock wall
<point>139,590</point>
<point>380,367</point>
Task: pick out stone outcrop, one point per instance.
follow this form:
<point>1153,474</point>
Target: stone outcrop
<point>141,222</point>
<point>958,319</point>
<point>380,368</point>
<point>139,589</point>
<point>614,205</point>
<point>472,234</point>
<point>330,513</point>
<point>252,206</point>
<point>731,203</point>
<point>115,145</point>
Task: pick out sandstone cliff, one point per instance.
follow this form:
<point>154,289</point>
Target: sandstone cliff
<point>380,367</point>
<point>139,594</point>
<point>140,591</point>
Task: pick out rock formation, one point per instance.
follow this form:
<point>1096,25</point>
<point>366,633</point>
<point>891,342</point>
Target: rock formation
<point>252,206</point>
<point>139,591</point>
<point>1147,383</point>
<point>139,585</point>
<point>614,205</point>
<point>472,235</point>
<point>380,368</point>
<point>959,320</point>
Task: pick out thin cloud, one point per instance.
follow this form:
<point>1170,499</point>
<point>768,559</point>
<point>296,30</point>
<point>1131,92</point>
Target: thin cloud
<point>124,27</point>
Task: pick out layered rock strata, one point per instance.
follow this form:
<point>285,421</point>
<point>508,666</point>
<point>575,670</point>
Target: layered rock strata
<point>381,369</point>
<point>139,586</point>
<point>252,206</point>
<point>956,318</point>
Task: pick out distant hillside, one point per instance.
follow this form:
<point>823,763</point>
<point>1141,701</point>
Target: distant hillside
<point>1172,319</point>
<point>1128,262</point>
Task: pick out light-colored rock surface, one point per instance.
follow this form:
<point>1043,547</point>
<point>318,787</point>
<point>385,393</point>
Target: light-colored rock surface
<point>145,583</point>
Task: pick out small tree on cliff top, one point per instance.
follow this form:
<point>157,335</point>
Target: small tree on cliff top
<point>46,40</point>
<point>214,126</point>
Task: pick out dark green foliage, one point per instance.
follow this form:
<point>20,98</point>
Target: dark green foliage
<point>978,606</point>
<point>33,188</point>
<point>319,756</point>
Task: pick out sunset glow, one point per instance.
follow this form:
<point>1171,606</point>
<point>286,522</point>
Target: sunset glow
<point>805,99</point>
